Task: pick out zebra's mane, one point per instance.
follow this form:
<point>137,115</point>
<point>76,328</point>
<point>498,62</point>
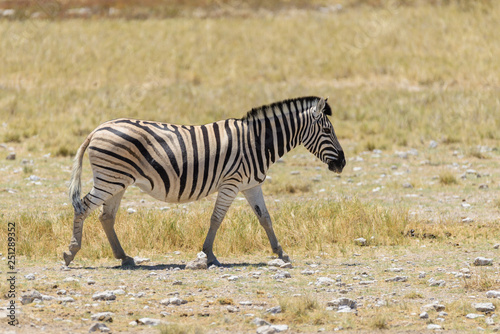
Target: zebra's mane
<point>267,110</point>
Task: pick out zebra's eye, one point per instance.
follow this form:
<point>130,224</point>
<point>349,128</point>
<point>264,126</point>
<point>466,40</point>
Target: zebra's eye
<point>327,130</point>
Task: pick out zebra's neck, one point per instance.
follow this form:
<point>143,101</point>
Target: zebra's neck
<point>275,130</point>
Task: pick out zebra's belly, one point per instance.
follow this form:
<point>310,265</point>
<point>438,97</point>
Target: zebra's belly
<point>174,194</point>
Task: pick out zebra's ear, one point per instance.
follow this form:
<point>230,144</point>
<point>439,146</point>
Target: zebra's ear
<point>320,108</point>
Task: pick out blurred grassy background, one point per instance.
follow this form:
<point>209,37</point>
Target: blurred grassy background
<point>397,74</point>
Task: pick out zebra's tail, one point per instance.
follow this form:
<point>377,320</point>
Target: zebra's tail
<point>75,186</point>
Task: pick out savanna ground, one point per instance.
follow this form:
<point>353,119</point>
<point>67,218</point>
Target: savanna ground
<point>414,88</point>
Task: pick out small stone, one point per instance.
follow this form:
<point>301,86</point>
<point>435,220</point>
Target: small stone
<point>139,260</point>
<point>177,282</point>
<point>246,303</point>
<point>106,295</point>
<point>489,321</point>
<point>366,282</point>
<point>474,316</point>
<point>395,270</point>
<point>30,277</point>
<point>467,220</point>
<point>439,283</point>
<point>482,261</point>
<point>233,278</point>
<point>496,246</point>
<point>148,322</point>
<point>260,322</point>
<point>493,294</point>
<point>421,274</point>
<point>433,144</point>
<point>397,279</point>
<point>280,328</point>
<point>61,292</point>
<point>484,307</point>
<point>66,300</point>
<point>276,263</point>
<point>232,309</point>
<point>70,279</point>
<point>307,272</point>
<point>360,241</point>
<point>11,156</point>
<point>90,282</point>
<point>340,303</point>
<point>424,315</point>
<point>201,262</point>
<point>274,310</point>
<point>102,316</point>
<point>407,185</point>
<point>173,301</point>
<point>99,327</point>
<point>434,327</point>
<point>266,329</point>
<point>324,281</point>
<point>287,265</point>
<point>30,296</point>
<point>483,186</point>
<point>131,210</point>
<point>436,307</point>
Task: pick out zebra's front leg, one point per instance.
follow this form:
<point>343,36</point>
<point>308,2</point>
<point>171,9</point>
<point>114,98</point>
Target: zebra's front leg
<point>255,198</point>
<point>224,199</point>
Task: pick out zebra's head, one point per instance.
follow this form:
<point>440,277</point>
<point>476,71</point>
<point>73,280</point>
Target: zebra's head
<point>320,139</point>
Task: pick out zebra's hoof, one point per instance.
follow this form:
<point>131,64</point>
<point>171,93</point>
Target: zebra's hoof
<point>68,257</point>
<point>128,262</point>
<point>285,258</point>
<point>214,262</point>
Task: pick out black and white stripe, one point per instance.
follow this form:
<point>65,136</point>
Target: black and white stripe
<point>178,163</point>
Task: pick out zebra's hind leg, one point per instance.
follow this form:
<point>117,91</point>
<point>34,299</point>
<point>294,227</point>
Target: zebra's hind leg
<point>224,199</point>
<point>107,218</point>
<point>89,203</point>
<point>255,198</point>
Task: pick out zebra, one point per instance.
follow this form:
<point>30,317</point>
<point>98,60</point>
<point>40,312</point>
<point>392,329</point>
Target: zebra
<point>179,163</point>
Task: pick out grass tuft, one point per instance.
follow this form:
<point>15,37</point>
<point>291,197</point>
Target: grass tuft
<point>447,178</point>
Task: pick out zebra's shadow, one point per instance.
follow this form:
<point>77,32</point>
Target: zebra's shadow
<point>174,266</point>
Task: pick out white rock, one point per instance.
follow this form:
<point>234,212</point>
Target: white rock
<point>232,309</point>
<point>71,279</point>
<point>276,263</point>
<point>30,296</point>
<point>66,300</point>
<point>131,210</point>
<point>366,282</point>
<point>424,315</point>
<point>173,301</point>
<point>496,246</point>
<point>397,279</point>
<point>482,261</point>
<point>139,260</point>
<point>467,220</point>
<point>360,241</point>
<point>274,310</point>
<point>434,327</point>
<point>99,327</point>
<point>307,272</point>
<point>149,322</point>
<point>484,307</point>
<point>201,262</point>
<point>343,303</point>
<point>266,329</point>
<point>102,316</point>
<point>30,277</point>
<point>493,294</point>
<point>433,144</point>
<point>105,295</point>
<point>260,322</point>
<point>280,328</point>
<point>474,316</point>
<point>324,281</point>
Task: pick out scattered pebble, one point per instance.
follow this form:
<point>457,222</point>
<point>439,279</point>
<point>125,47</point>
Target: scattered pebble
<point>30,296</point>
<point>493,294</point>
<point>434,327</point>
<point>11,155</point>
<point>99,327</point>
<point>360,241</point>
<point>30,277</point>
<point>474,316</point>
<point>482,261</point>
<point>259,322</point>
<point>397,279</point>
<point>102,316</point>
<point>105,295</point>
<point>173,301</point>
<point>201,262</point>
<point>484,307</point>
<point>148,322</point>
<point>424,315</point>
<point>139,260</point>
<point>325,281</point>
<point>274,310</point>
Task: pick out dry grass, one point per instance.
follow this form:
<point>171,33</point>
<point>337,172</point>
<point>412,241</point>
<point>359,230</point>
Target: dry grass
<point>447,178</point>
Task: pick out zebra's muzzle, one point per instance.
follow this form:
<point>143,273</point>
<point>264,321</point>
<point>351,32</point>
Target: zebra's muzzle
<point>337,165</point>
